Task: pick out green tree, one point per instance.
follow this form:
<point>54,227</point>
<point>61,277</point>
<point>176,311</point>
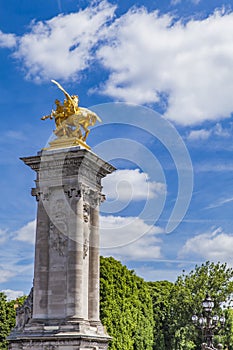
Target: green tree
<point>143,315</point>
<point>187,296</point>
<point>4,323</point>
<point>126,307</point>
<point>161,297</point>
<point>174,305</point>
<point>226,336</point>
<point>7,317</point>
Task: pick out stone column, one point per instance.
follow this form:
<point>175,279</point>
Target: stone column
<point>94,265</point>
<point>75,265</point>
<point>41,263</point>
<point>86,253</point>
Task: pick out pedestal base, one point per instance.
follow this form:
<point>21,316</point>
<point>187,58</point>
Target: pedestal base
<point>71,335</point>
<point>57,344</point>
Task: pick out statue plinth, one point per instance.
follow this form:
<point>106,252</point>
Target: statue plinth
<point>62,311</point>
<point>66,142</point>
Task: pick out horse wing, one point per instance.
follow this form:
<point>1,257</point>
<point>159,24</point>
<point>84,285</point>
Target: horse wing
<point>90,113</point>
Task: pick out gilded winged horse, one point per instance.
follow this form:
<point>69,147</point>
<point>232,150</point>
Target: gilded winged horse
<point>70,118</point>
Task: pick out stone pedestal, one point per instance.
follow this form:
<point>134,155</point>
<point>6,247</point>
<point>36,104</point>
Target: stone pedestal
<point>62,310</point>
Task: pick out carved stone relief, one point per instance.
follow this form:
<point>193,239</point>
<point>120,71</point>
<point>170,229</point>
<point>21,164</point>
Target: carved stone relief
<point>86,212</point>
<point>85,248</point>
<point>58,241</point>
<point>24,312</point>
<point>58,229</point>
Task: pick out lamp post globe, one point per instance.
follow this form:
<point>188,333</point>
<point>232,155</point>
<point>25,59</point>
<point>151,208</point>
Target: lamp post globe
<point>208,324</point>
<point>207,304</point>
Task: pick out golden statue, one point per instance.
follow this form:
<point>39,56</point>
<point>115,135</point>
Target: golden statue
<point>70,118</point>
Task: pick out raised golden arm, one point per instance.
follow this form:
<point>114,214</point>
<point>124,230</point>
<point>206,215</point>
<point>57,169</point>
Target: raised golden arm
<point>67,95</point>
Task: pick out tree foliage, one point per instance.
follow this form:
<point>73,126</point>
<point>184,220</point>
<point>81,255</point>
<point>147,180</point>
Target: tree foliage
<point>4,322</point>
<point>7,317</point>
<point>173,325</point>
<point>157,315</point>
<point>160,293</point>
<point>189,292</point>
<point>227,338</point>
<point>126,307</point>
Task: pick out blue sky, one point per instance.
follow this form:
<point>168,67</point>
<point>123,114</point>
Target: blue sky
<point>170,65</point>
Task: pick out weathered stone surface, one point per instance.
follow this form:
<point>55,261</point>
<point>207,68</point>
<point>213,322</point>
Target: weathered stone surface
<point>65,310</point>
<point>54,342</point>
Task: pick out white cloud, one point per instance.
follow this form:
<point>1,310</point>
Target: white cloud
<point>213,246</point>
<point>220,203</point>
<point>226,200</point>
<point>15,135</point>
<point>12,294</point>
<point>16,259</point>
<point>62,47</point>
<point>204,134</point>
<point>6,274</point>
<point>144,249</point>
<point>192,63</point>
<point>7,40</point>
<point>27,233</point>
<point>222,132</point>
<point>125,185</point>
<point>146,54</point>
<point>175,2</point>
<point>3,236</point>
<point>118,231</point>
<point>214,166</point>
<point>155,274</point>
<point>201,134</point>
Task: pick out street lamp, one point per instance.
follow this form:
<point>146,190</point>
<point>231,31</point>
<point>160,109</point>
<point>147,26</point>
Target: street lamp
<point>208,324</point>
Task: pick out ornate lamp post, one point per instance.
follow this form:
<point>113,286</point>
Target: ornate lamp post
<point>208,324</point>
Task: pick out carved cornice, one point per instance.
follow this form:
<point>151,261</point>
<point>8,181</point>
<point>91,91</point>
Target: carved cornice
<point>90,197</point>
<point>75,163</point>
<point>72,192</point>
<point>41,194</point>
